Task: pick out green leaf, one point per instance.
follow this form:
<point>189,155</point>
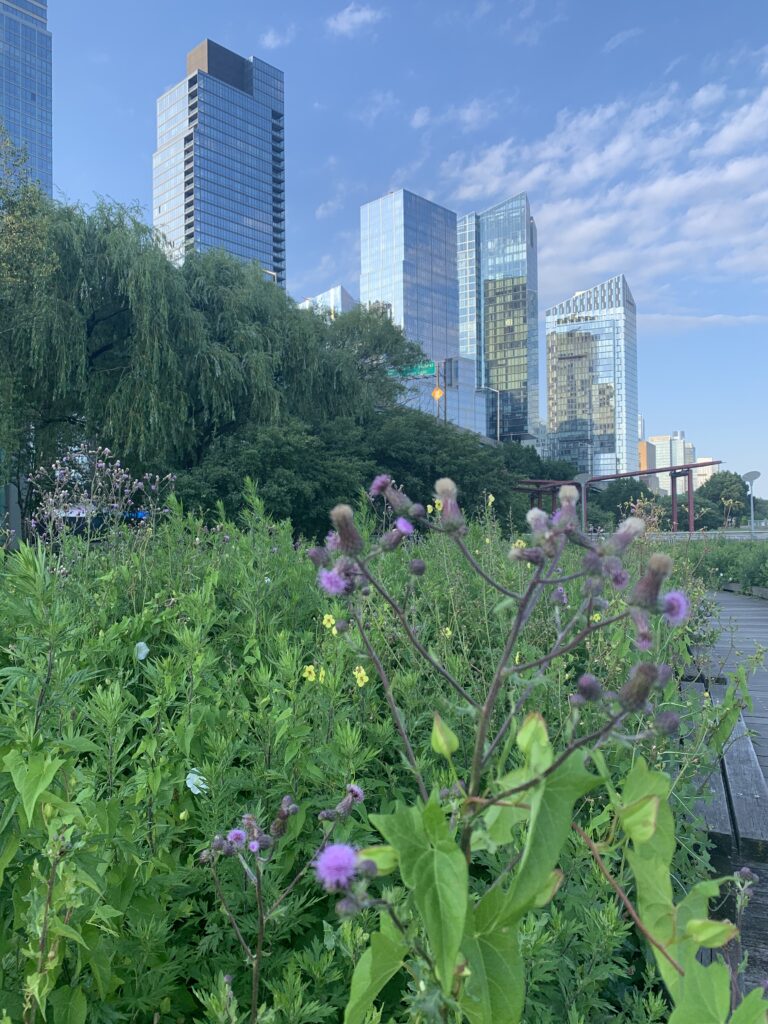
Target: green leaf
<point>32,778</point>
<point>705,996</point>
<point>70,1006</point>
<point>404,830</point>
<point>57,927</point>
<point>533,740</point>
<point>384,857</point>
<point>639,818</point>
<point>380,962</point>
<point>548,891</point>
<point>9,852</point>
<point>440,893</point>
<point>710,934</point>
<point>752,1010</point>
<point>494,990</point>
<point>445,742</point>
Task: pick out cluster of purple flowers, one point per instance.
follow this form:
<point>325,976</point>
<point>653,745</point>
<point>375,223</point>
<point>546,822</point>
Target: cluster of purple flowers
<point>250,835</point>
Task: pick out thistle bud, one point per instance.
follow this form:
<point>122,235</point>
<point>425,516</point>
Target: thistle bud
<point>667,723</point>
<point>418,567</point>
<point>568,495</point>
<point>589,687</point>
<point>625,534</point>
<point>533,555</point>
<point>446,493</point>
<point>538,520</point>
<point>318,557</point>
<point>646,592</point>
<point>350,540</point>
<point>633,695</point>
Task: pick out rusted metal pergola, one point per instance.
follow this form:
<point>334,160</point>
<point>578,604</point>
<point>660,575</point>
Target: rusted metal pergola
<point>540,489</point>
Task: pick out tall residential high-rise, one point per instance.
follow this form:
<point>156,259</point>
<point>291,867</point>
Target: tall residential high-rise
<point>408,263</point>
<point>219,168</point>
<point>25,84</point>
<point>499,313</point>
<point>592,378</point>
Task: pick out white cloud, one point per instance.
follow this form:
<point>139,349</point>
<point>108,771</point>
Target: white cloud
<point>667,188</point>
<point>420,117</point>
<point>469,116</point>
<point>274,39</point>
<point>353,18</point>
<point>685,321</point>
<point>375,105</point>
<point>329,207</point>
<point>620,38</point>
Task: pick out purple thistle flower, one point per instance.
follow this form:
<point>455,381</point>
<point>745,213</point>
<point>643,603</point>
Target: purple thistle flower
<point>667,723</point>
<point>254,846</point>
<point>404,526</point>
<point>379,485</point>
<point>560,597</point>
<point>332,542</point>
<point>356,793</point>
<point>332,582</point>
<point>336,866</point>
<point>615,572</point>
<point>589,687</point>
<point>237,837</point>
<point>675,607</point>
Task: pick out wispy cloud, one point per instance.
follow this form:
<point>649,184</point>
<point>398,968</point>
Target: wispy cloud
<point>374,106</point>
<point>353,19</point>
<point>667,322</point>
<point>469,116</point>
<point>273,39</point>
<point>651,187</point>
<point>525,29</point>
<point>620,38</point>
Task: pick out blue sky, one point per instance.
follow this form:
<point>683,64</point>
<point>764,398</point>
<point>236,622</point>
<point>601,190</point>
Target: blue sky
<point>639,130</point>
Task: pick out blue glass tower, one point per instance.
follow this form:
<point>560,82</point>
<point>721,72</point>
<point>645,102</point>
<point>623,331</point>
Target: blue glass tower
<point>592,378</point>
<point>498,313</point>
<point>25,84</point>
<point>219,167</point>
<point>408,263</point>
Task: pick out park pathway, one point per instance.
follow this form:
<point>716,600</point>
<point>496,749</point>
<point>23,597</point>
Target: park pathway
<point>744,625</point>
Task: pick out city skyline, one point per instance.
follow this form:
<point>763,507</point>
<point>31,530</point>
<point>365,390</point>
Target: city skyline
<point>634,159</point>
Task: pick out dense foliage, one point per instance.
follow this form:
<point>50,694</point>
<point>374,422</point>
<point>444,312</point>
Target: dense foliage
<point>158,683</point>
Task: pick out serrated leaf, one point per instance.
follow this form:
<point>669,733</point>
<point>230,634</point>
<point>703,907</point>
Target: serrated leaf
<point>710,934</point>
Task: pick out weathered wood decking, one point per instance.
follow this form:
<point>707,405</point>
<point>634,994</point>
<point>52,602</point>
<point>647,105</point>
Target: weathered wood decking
<point>738,814</point>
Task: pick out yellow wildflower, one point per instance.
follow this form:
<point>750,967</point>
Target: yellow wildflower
<point>447,631</point>
<point>438,505</point>
<point>334,631</point>
<point>490,500</point>
<point>430,509</point>
<point>518,658</point>
<point>487,540</point>
<point>597,617</point>
<point>328,621</point>
<point>361,676</point>
<point>309,673</point>
<point>519,543</point>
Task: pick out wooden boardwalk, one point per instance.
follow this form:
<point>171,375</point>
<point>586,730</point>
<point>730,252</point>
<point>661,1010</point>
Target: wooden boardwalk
<point>744,625</point>
<point>743,622</point>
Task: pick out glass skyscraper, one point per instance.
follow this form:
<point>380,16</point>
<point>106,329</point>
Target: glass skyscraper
<point>592,378</point>
<point>408,263</point>
<point>219,167</point>
<point>498,313</point>
<point>25,84</point>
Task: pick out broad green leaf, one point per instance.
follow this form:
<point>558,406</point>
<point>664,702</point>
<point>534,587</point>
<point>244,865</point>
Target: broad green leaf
<point>547,893</point>
<point>704,997</point>
<point>384,857</point>
<point>380,962</point>
<point>69,1005</point>
<point>500,819</point>
<point>445,742</point>
<point>533,740</point>
<point>404,831</point>
<point>9,852</point>
<point>710,934</point>
<point>57,927</point>
<point>32,778</point>
<point>494,990</point>
<point>440,893</point>
<point>753,1010</point>
<point>639,818</point>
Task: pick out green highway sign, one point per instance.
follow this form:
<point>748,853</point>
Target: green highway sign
<point>419,370</point>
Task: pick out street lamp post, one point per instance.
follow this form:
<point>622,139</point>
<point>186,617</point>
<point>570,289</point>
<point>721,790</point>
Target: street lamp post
<point>750,478</point>
<point>582,480</point>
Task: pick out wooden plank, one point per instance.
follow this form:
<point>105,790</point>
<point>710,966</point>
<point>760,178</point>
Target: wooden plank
<point>713,807</point>
<point>747,793</point>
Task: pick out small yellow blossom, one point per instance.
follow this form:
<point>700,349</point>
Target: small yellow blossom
<point>447,632</point>
<point>334,631</point>
<point>328,621</point>
<point>597,617</point>
<point>361,676</point>
<point>309,673</point>
<point>518,658</point>
<point>430,509</point>
<point>519,543</point>
<point>184,816</point>
<point>487,540</point>
<point>321,674</point>
<point>490,500</point>
<point>438,505</point>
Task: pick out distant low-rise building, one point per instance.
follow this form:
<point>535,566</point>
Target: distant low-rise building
<point>672,450</point>
<point>704,473</point>
<point>333,301</point>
